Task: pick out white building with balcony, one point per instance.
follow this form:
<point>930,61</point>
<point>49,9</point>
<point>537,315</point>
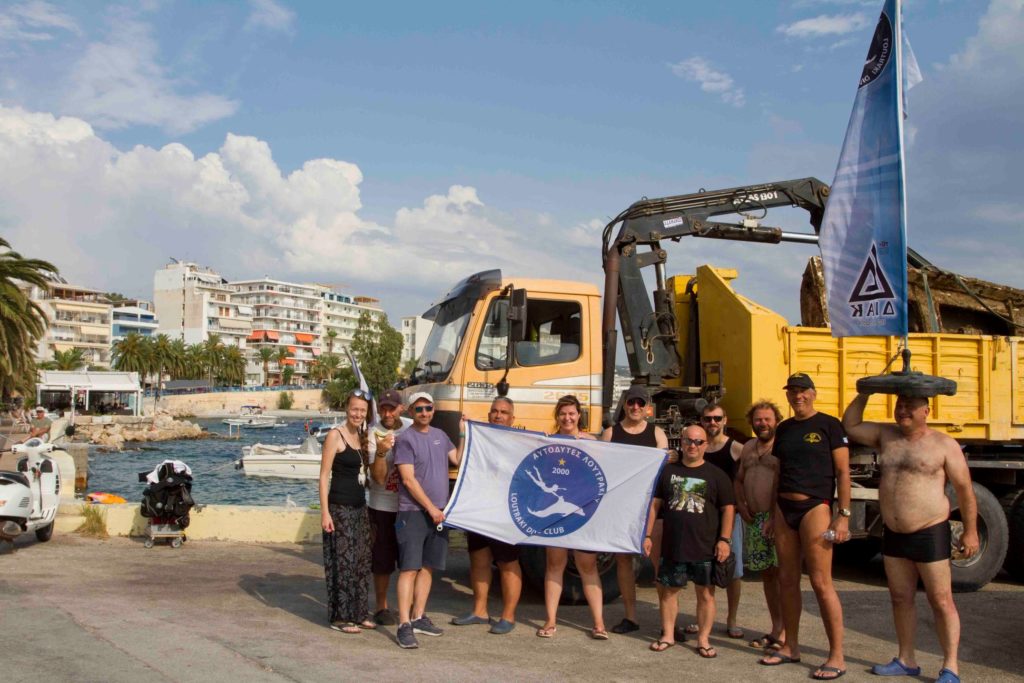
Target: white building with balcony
<point>126,320</point>
<point>285,315</point>
<point>192,302</point>
<point>79,318</point>
<point>341,314</point>
<point>415,331</point>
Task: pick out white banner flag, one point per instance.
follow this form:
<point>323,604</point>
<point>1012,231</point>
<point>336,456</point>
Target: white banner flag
<point>526,488</point>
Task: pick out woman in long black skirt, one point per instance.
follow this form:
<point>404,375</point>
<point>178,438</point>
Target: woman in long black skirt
<point>345,522</point>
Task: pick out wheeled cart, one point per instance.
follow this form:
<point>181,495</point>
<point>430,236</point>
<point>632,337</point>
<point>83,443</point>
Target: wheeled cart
<point>166,502</point>
<point>158,529</point>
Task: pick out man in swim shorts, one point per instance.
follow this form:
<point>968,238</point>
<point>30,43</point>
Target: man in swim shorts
<point>916,463</point>
<point>756,481</point>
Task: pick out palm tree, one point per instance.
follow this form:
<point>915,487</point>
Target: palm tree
<point>281,355</point>
<point>22,321</point>
<point>213,355</point>
<point>131,354</point>
<point>331,336</point>
<point>163,358</point>
<point>330,364</point>
<point>266,355</point>
<point>72,359</point>
<point>233,367</point>
<point>178,359</point>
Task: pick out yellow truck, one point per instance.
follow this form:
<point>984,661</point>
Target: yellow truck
<point>694,340</point>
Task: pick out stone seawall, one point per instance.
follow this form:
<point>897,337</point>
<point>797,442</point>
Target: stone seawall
<point>114,431</point>
<point>200,405</point>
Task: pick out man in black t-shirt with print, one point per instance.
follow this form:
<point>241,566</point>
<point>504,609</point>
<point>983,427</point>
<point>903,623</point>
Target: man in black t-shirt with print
<point>698,505</point>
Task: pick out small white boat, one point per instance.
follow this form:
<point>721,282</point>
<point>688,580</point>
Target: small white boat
<point>301,461</point>
<point>252,417</point>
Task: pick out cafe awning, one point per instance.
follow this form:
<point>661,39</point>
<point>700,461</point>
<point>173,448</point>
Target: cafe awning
<point>303,338</point>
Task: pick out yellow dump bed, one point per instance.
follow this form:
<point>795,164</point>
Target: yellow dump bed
<point>758,350</point>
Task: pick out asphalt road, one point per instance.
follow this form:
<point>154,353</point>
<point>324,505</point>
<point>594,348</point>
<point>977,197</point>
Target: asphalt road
<point>78,609</point>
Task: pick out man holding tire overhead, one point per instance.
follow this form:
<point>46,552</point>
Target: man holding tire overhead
<point>916,462</point>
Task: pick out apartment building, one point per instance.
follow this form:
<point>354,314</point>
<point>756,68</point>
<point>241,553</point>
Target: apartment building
<point>79,318</point>
<point>192,302</point>
<point>284,315</point>
<point>341,316</point>
<point>128,319</point>
<point>415,331</point>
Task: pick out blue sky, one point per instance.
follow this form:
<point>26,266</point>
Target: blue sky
<point>395,147</point>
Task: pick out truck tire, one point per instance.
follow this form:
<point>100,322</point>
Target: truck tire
<point>994,536</point>
<point>532,559</point>
<point>45,533</point>
<point>1013,504</point>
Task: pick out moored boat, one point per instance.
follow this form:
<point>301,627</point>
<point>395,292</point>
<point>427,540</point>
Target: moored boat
<point>301,461</point>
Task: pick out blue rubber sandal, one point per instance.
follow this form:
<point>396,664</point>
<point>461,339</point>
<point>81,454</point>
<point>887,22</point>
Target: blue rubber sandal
<point>947,676</point>
<point>469,620</point>
<point>895,668</point>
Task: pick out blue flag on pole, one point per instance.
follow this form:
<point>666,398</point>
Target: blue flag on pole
<point>863,235</point>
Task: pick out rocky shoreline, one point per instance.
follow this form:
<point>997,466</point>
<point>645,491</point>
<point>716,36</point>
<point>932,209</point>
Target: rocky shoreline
<point>114,431</point>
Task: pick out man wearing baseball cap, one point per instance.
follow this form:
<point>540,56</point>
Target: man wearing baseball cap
<point>39,424</point>
<point>814,471</point>
<point>382,501</point>
<point>422,454</point>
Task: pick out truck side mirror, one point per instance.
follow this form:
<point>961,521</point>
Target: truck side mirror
<point>517,315</point>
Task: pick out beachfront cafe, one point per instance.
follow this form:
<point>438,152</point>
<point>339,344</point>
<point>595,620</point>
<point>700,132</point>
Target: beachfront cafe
<point>92,393</point>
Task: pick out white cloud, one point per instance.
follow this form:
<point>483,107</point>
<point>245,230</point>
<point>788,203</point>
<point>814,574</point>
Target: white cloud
<point>121,82</point>
<point>34,21</point>
<point>711,80</point>
<point>825,25</point>
<point>109,218</point>
<point>270,15</point>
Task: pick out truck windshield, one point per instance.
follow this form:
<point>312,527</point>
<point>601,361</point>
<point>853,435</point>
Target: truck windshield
<point>444,340</point>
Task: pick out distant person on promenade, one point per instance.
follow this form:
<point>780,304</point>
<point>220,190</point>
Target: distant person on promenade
<point>698,503</point>
<point>39,426</point>
<point>483,551</point>
<point>724,452</point>
<point>422,455</point>
<point>383,502</point>
<point>636,430</point>
<point>345,522</point>
<point>814,468</point>
<point>567,421</point>
<point>916,462</point>
<point>756,484</point>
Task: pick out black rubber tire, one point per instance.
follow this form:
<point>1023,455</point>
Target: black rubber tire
<point>44,534</point>
<point>532,559</point>
<point>1013,505</point>
<point>994,534</point>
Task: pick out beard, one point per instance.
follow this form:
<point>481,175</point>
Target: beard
<point>766,434</point>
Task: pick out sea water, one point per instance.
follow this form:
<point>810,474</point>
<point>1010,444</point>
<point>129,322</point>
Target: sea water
<point>215,479</point>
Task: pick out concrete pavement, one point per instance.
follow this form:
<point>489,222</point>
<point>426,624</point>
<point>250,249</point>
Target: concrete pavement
<point>78,609</point>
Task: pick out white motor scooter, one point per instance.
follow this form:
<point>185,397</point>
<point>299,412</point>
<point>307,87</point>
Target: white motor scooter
<point>30,496</point>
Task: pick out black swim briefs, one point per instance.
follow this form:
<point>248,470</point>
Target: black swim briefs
<point>931,544</point>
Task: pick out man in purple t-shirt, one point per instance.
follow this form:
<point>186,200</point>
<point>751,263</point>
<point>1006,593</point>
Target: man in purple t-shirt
<point>422,454</point>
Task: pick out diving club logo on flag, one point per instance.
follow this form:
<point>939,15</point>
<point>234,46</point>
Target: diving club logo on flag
<point>555,490</point>
<point>872,295</point>
<point>880,51</point>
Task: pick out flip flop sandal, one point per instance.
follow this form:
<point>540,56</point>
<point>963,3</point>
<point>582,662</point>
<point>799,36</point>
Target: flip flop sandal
<point>660,646</point>
<point>599,635</point>
<point>349,627</point>
<point>765,642</point>
<point>783,659</point>
<point>828,670</point>
<point>547,632</point>
<point>707,652</point>
<point>368,625</point>
<point>734,632</point>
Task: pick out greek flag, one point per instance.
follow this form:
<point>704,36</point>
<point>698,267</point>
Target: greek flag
<point>863,235</point>
<point>527,488</point>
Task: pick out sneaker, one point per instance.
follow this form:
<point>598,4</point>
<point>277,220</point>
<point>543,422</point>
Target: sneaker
<point>426,627</point>
<point>385,617</point>
<point>406,637</point>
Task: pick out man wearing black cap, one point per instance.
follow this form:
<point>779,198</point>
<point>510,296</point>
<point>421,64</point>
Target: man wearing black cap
<point>636,430</point>
<point>383,501</point>
<point>814,470</point>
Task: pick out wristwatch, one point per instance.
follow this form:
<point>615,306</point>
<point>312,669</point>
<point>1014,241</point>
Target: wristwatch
<point>725,540</point>
<point>845,512</point>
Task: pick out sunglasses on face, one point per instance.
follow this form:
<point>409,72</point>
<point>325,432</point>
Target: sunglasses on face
<point>712,418</point>
<point>694,442</point>
<point>424,409</point>
<point>639,402</point>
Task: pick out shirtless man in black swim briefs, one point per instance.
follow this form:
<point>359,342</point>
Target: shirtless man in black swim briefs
<point>916,463</point>
<point>814,469</point>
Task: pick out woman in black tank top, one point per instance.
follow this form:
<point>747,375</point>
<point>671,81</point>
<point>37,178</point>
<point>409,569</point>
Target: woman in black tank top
<point>345,522</point>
